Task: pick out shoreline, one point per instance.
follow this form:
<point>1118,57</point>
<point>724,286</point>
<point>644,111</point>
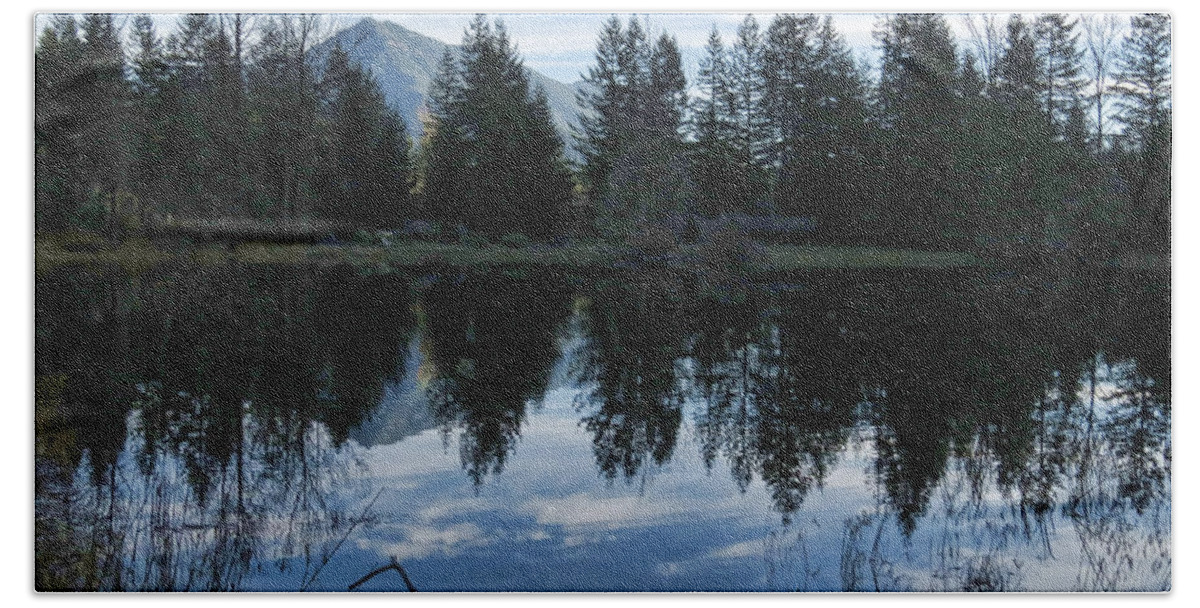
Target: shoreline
<point>51,253</point>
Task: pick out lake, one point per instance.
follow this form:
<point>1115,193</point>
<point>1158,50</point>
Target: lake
<point>279,428</point>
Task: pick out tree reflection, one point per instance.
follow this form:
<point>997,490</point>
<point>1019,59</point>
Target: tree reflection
<point>191,422</point>
<point>779,396</point>
<point>230,389</point>
<point>632,392</point>
<point>492,342</point>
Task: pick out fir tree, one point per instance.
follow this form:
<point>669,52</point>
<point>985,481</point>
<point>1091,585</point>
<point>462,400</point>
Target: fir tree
<point>1144,93</point>
<point>1061,61</point>
<point>365,170</point>
<point>715,171</point>
<point>58,75</point>
<point>918,118</point>
<point>495,163</point>
<point>635,168</point>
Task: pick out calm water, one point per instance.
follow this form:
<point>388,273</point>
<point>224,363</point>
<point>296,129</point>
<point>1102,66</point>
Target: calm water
<point>281,428</point>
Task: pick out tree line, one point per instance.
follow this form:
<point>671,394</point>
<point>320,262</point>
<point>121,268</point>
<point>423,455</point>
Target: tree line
<point>202,123</point>
<point>1042,132</point>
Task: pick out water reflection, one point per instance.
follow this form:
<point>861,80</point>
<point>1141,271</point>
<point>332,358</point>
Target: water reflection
<point>491,341</point>
<point>205,406</point>
<point>195,424</point>
<point>631,367</point>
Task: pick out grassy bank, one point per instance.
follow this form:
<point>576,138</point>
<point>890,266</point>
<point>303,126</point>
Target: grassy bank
<point>50,253</point>
<point>797,257</point>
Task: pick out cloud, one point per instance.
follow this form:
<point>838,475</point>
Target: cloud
<point>590,511</point>
<point>418,541</point>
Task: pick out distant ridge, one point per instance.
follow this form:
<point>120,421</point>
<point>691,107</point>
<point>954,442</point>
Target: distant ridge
<point>405,63</point>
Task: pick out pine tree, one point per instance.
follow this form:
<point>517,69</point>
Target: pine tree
<point>495,162</point>
<point>635,168</point>
<point>1033,188</point>
<point>441,147</point>
<point>58,95</point>
<point>1061,61</point>
<point>838,138</point>
<point>80,138</point>
<point>786,67</point>
<point>150,74</point>
<point>283,95</point>
<point>105,141</point>
<point>365,168</point>
<point>608,95</point>
<point>715,171</point>
<point>228,183</point>
<point>1144,93</point>
<point>746,103</point>
<point>667,97</point>
<point>917,113</point>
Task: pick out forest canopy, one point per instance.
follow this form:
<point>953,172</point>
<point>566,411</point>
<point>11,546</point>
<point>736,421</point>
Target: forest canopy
<point>1037,132</point>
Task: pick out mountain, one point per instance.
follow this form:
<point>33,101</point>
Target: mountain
<point>405,64</point>
<point>404,409</point>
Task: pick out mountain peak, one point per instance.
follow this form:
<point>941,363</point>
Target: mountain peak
<point>405,62</point>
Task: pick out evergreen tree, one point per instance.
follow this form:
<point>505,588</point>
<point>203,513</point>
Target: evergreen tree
<point>58,73</point>
<point>184,135</point>
<point>223,111</point>
<point>667,97</point>
<point>786,66</point>
<point>105,141</point>
<point>365,170</point>
<point>1061,61</point>
<point>282,91</point>
<point>715,170</point>
<point>632,144</point>
<point>918,118</point>
<point>1144,93</point>
<point>1025,134</point>
<point>728,126</point>
<point>80,139</point>
<point>608,97</point>
<point>839,140</point>
<point>441,146</point>
<point>495,163</point>
<point>150,73</point>
<point>746,102</point>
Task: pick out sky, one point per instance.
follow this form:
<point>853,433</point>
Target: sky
<point>562,45</point>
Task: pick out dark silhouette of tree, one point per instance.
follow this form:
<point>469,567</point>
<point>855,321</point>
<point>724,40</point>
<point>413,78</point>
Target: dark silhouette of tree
<point>80,140</point>
<point>495,163</point>
<point>57,124</point>
<point>632,142</point>
<point>365,173</point>
<point>1062,69</point>
<point>715,169</point>
<point>918,118</point>
<point>283,92</point>
<point>1144,98</point>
